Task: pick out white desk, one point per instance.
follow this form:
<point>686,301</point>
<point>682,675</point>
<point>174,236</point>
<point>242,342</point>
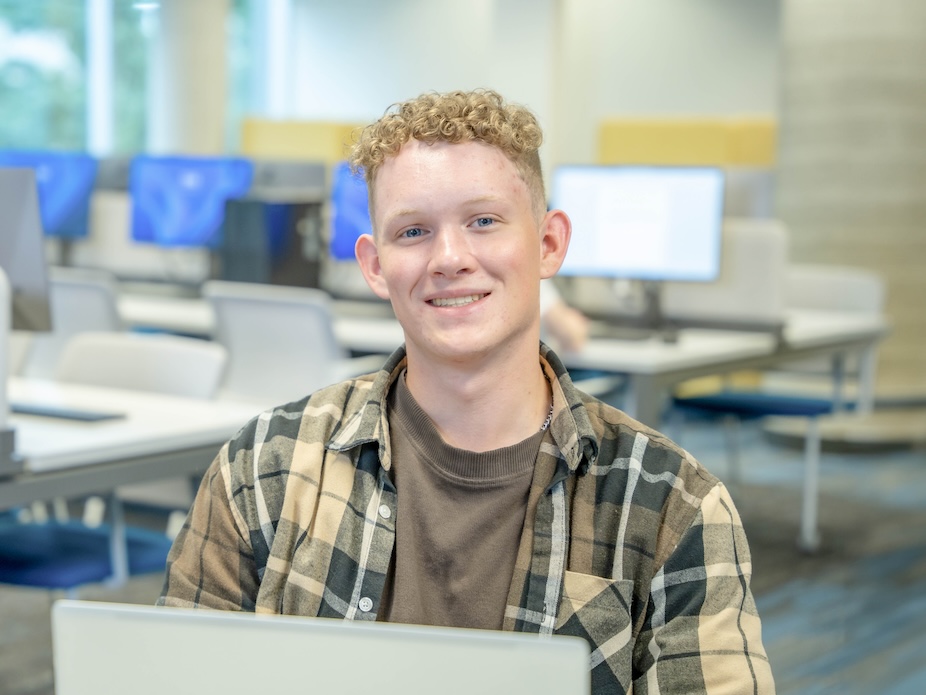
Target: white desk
<point>651,365</point>
<point>160,437</point>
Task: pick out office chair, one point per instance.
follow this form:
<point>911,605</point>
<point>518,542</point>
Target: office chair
<point>280,340</point>
<point>796,287</point>
<point>64,554</point>
<point>20,342</point>
<point>81,300</point>
<point>829,288</point>
<point>736,406</point>
<point>153,362</point>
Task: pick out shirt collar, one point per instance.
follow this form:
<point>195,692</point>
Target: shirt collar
<point>571,429</point>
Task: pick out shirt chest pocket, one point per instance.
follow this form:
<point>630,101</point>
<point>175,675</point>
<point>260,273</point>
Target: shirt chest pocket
<point>599,610</point>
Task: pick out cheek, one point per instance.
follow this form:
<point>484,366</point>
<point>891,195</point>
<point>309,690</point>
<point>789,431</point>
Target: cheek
<point>397,272</point>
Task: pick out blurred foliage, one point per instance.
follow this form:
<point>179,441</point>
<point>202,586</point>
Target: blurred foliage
<point>43,84</point>
<point>42,95</point>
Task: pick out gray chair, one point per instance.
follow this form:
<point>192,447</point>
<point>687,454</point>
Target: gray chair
<point>154,362</point>
<point>280,341</point>
<point>81,300</point>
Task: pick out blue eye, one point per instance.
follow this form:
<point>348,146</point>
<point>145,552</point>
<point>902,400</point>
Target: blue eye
<point>484,221</point>
<point>413,233</point>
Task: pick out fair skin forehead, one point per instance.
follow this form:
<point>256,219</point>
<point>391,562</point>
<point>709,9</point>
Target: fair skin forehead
<point>431,157</point>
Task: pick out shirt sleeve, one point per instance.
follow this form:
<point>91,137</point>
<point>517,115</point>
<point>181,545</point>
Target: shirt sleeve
<point>211,564</point>
<point>702,633</point>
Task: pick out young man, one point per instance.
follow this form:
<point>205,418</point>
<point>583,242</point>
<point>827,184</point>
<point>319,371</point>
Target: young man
<point>469,483</point>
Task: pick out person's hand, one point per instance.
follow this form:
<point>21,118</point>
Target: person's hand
<point>567,326</point>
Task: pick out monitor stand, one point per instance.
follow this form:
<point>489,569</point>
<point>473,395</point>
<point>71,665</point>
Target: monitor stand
<point>9,464</point>
<point>649,323</point>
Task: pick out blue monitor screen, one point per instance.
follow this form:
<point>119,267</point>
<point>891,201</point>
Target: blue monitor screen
<point>180,201</point>
<point>65,182</point>
<point>350,212</point>
<point>642,222</point>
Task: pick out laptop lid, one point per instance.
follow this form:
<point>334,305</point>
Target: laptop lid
<point>110,648</point>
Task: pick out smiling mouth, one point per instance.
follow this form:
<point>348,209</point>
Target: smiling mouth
<point>456,301</point>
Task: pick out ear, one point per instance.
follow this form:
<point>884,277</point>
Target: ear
<point>555,232</point>
<point>368,258</point>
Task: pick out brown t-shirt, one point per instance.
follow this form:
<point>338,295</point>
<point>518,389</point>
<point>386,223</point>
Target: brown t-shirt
<point>458,523</point>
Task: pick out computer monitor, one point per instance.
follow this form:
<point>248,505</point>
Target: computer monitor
<point>271,235</point>
<point>180,201</point>
<point>350,211</point>
<point>659,223</point>
<point>65,183</point>
<point>22,251</point>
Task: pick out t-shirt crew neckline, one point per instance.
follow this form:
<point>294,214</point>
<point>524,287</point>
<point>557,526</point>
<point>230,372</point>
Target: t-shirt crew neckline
<point>477,469</point>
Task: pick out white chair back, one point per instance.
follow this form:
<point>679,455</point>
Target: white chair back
<point>155,362</point>
<point>280,340</point>
<point>834,288</point>
<point>19,343</point>
<point>831,288</point>
<point>80,301</point>
<point>751,286</point>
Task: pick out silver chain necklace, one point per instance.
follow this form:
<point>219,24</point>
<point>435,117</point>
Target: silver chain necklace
<point>546,423</point>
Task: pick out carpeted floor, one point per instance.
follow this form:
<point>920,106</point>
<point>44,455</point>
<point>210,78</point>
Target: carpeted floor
<point>849,619</point>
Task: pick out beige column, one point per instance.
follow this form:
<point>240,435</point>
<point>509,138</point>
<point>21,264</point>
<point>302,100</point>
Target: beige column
<point>852,164</point>
<point>187,97</point>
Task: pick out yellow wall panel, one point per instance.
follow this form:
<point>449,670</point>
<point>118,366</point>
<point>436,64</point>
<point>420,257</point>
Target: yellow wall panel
<point>662,142</point>
<point>682,141</point>
<point>305,140</point>
<point>752,141</point>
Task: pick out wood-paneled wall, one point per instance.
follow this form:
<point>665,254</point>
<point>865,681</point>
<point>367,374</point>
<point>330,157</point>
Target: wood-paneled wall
<point>852,156</point>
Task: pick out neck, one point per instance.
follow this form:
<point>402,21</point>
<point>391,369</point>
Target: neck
<point>485,407</point>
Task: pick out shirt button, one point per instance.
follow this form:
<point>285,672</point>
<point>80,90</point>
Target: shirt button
<point>366,604</point>
<point>384,511</point>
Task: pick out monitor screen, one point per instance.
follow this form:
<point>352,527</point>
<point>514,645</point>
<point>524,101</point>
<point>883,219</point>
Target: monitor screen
<point>642,222</point>
<point>22,250</point>
<point>65,183</point>
<point>180,201</point>
<point>350,212</point>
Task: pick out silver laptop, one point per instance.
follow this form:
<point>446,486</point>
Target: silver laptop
<point>113,649</point>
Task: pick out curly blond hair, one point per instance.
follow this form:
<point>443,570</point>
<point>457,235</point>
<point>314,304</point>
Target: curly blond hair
<point>456,117</point>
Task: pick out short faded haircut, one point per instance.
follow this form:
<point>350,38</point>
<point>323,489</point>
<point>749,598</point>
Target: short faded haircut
<point>456,117</point>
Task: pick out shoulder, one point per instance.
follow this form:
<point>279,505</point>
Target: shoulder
<point>657,487</point>
<point>624,442</point>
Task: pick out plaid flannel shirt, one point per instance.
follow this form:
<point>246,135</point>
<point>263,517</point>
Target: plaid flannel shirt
<point>628,541</point>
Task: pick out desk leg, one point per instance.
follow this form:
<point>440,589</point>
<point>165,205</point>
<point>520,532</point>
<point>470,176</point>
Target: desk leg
<point>809,538</point>
<point>868,367</point>
<point>118,546</point>
<point>644,400</point>
<point>839,382</point>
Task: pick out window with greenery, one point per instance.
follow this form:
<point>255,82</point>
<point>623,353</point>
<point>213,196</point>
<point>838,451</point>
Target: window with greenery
<point>132,32</point>
<point>42,74</point>
<point>44,82</point>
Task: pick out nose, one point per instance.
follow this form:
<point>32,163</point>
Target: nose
<point>451,253</point>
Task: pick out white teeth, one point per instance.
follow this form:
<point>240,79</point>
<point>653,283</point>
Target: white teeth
<point>457,301</point>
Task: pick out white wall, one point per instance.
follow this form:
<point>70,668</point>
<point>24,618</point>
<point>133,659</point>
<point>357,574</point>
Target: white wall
<point>572,61</point>
<point>662,58</point>
<point>352,58</point>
